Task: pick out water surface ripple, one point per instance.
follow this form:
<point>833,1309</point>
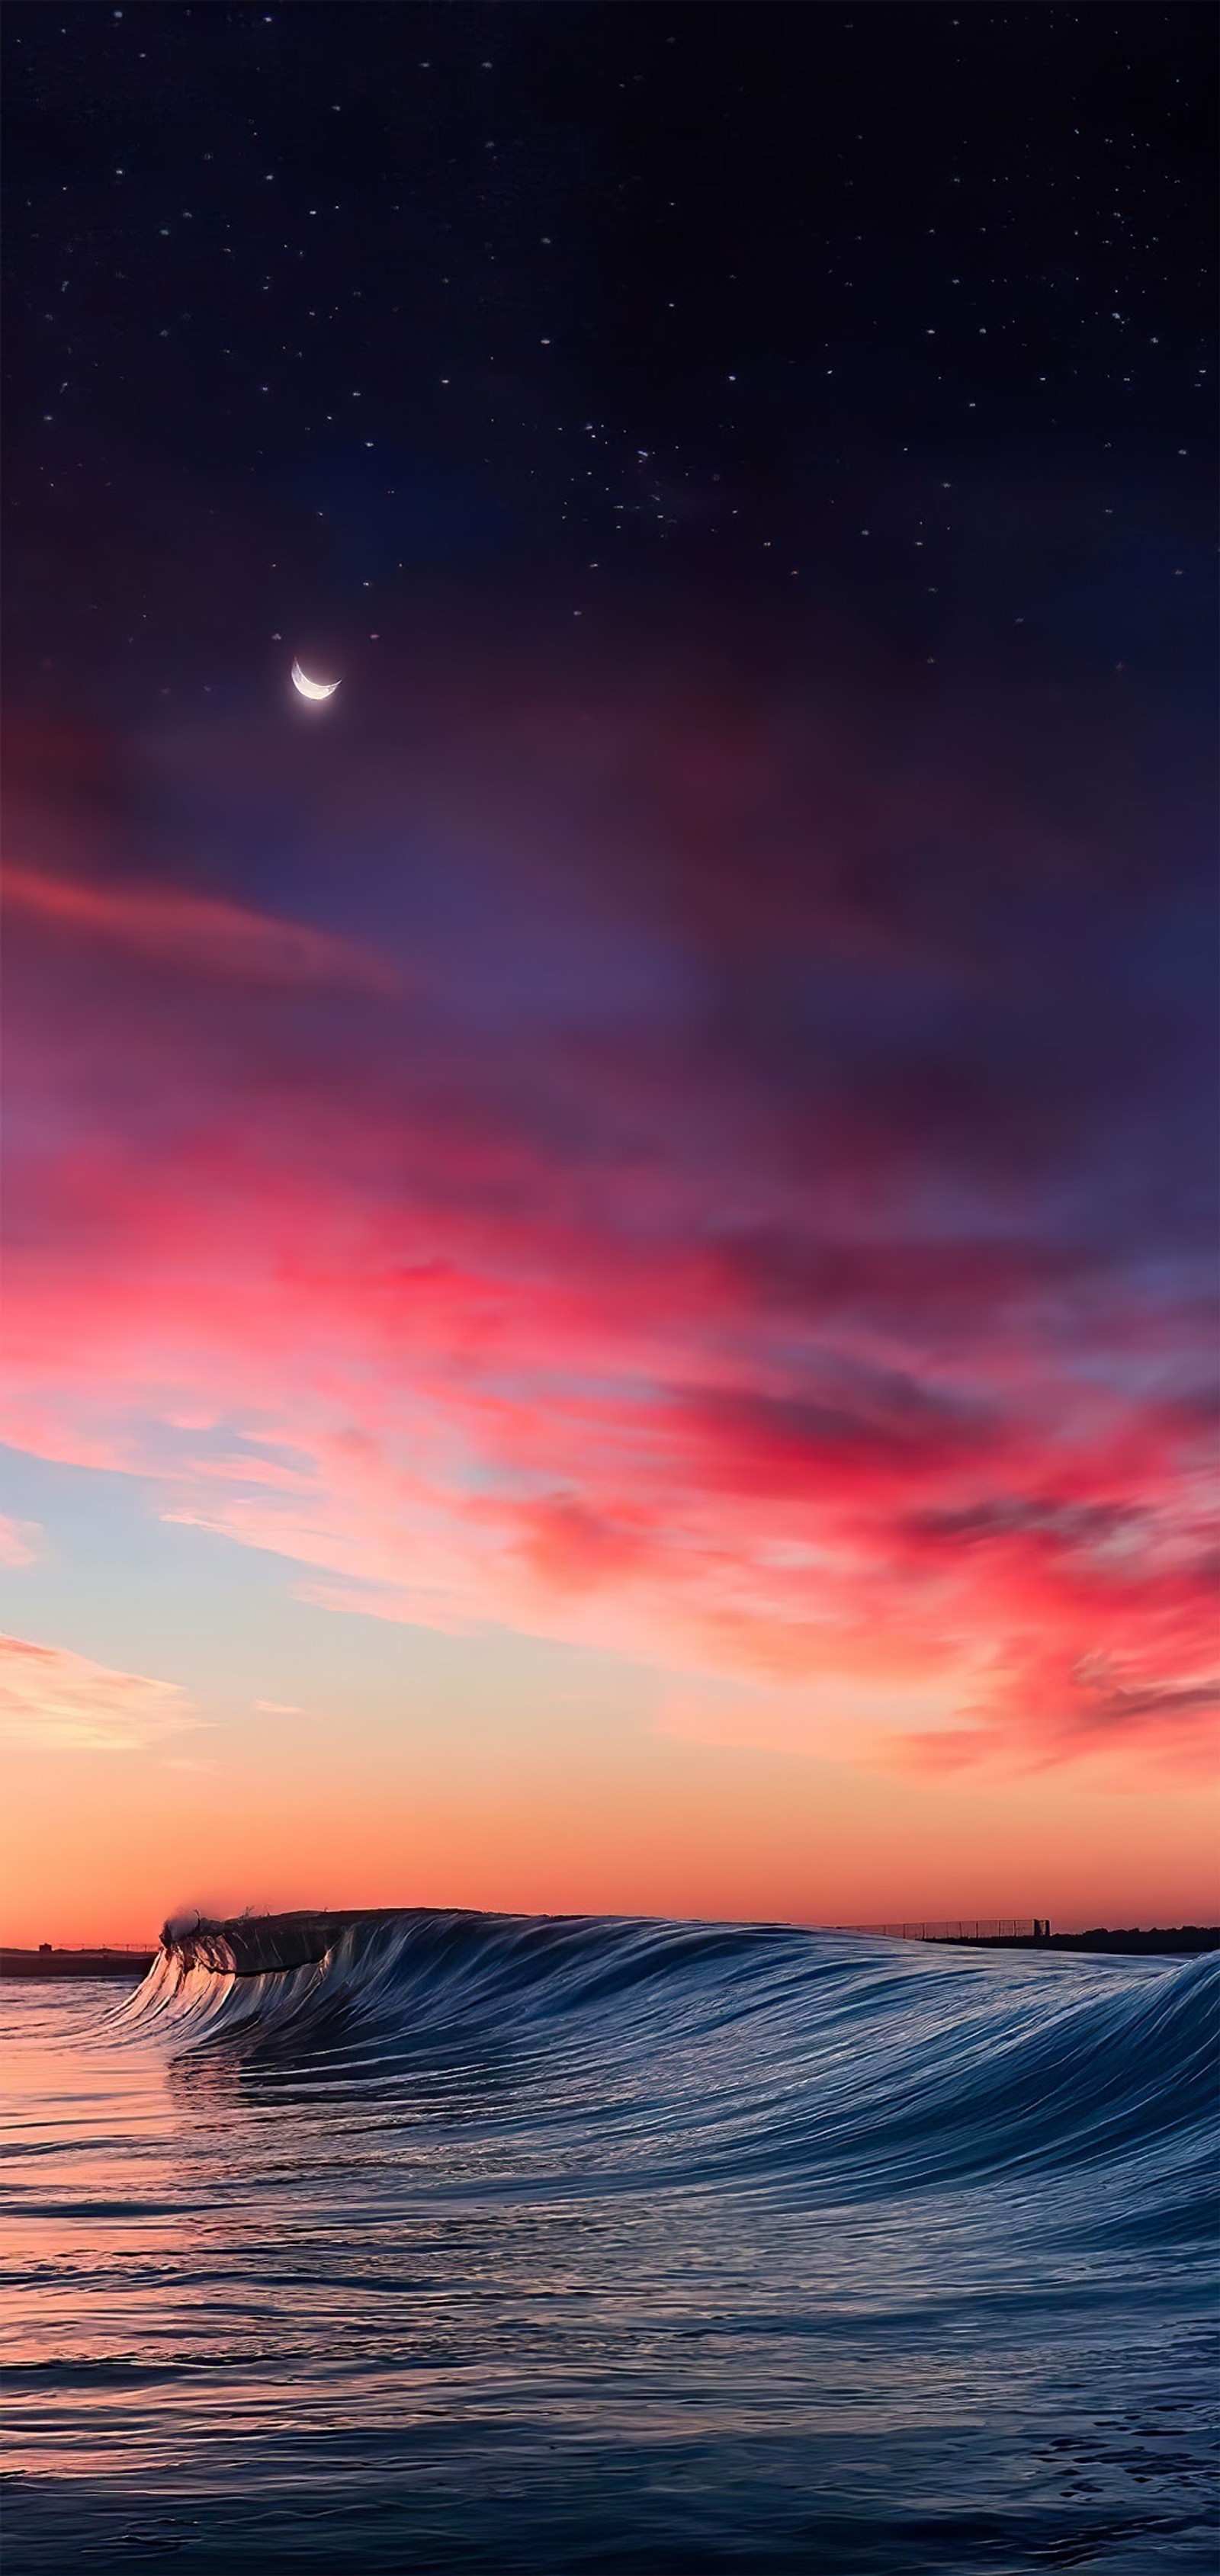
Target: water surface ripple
<point>502,2244</point>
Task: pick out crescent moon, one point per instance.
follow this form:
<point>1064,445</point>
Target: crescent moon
<point>312,688</point>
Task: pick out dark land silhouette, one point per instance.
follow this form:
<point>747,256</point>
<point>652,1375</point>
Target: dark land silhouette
<point>256,1944</point>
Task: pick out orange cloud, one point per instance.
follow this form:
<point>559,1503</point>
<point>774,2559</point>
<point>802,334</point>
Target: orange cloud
<point>53,1701</point>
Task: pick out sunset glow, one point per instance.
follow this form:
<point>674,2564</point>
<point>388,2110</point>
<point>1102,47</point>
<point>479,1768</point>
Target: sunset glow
<point>630,1267</point>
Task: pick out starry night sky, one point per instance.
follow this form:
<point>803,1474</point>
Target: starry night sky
<point>310,310</point>
<point>676,1115</point>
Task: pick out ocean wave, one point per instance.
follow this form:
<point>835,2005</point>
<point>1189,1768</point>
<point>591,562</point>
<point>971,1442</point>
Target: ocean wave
<point>524,2245</point>
<point>700,2052</point>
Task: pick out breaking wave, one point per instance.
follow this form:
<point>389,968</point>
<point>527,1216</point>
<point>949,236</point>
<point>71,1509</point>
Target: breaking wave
<point>513,2246</point>
<point>650,2053</point>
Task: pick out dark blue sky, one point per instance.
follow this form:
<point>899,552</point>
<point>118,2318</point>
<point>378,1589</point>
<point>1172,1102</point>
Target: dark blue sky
<point>694,296</point>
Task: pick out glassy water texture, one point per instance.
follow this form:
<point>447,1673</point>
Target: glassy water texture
<point>500,2244</point>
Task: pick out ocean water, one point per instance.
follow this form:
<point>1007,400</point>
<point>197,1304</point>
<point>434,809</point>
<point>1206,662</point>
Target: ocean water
<point>507,2244</point>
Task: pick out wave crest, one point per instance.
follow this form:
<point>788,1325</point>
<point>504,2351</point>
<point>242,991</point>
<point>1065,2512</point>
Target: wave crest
<point>699,2053</point>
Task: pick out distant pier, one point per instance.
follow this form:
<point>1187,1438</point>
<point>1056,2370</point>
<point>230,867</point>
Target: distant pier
<point>1034,1933</point>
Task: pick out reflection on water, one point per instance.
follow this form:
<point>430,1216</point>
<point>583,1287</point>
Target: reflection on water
<point>611,2247</point>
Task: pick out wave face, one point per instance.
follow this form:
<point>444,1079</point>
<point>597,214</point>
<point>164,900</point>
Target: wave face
<point>508,2243</point>
<point>757,2054</point>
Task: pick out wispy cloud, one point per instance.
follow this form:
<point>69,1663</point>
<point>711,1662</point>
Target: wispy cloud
<point>19,1541</point>
<point>54,1701</point>
<point>197,932</point>
<point>736,1256</point>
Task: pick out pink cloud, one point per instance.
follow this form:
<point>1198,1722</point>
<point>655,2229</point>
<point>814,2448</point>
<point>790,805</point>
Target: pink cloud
<point>195,933</point>
<point>18,1541</point>
<point>515,1427</point>
<point>671,1324</point>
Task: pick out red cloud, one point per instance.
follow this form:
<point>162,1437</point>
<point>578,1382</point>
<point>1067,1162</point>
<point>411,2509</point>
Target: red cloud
<point>195,933</point>
<point>695,1319</point>
<point>574,1549</point>
<point>1049,1710</point>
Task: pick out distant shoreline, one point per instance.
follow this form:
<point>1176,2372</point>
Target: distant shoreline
<point>1183,1940</point>
<point>76,1963</point>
